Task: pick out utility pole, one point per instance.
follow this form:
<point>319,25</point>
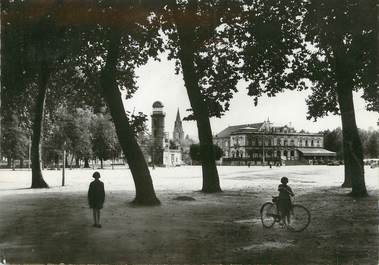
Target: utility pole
<point>64,164</point>
<point>29,152</point>
<point>263,149</point>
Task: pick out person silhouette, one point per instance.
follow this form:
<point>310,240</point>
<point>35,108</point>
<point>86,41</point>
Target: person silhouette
<point>284,199</point>
<point>96,198</point>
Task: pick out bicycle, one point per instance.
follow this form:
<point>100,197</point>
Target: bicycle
<point>300,217</point>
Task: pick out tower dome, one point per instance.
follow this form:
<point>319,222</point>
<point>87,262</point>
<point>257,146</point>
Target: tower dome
<point>157,104</point>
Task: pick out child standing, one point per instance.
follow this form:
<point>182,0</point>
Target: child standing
<point>96,197</point>
<point>284,202</point>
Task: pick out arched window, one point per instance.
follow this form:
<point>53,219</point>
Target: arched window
<point>311,142</point>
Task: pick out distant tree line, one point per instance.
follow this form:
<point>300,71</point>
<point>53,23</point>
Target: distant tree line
<point>333,141</point>
<point>82,133</point>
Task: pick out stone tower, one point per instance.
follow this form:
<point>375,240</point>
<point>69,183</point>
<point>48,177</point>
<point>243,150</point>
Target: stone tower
<point>178,134</point>
<point>157,133</point>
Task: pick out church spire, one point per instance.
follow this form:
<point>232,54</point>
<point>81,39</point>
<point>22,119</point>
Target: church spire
<point>178,116</point>
<point>178,133</point>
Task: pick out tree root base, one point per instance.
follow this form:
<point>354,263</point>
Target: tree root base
<point>346,185</point>
<point>39,184</point>
<point>144,202</point>
<point>213,190</point>
<point>362,194</point>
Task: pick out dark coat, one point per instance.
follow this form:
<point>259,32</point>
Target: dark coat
<point>284,202</point>
<point>96,194</point>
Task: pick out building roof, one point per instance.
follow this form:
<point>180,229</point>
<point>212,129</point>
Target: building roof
<point>316,152</point>
<point>178,116</point>
<point>231,129</point>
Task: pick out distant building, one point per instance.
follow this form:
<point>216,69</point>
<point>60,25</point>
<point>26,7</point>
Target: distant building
<point>178,133</point>
<point>157,133</point>
<point>165,152</point>
<point>263,142</point>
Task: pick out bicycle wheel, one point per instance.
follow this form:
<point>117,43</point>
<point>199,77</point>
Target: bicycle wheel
<point>300,218</point>
<point>268,214</point>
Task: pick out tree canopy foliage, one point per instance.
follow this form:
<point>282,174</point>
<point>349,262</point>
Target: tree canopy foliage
<point>195,152</point>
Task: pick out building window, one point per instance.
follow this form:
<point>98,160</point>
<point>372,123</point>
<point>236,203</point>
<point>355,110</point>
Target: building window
<point>285,142</point>
<point>292,142</point>
<point>312,143</point>
<point>292,153</point>
<point>306,142</point>
<point>285,153</point>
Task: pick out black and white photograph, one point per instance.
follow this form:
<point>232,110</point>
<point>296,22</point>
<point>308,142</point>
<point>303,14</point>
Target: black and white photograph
<point>189,132</point>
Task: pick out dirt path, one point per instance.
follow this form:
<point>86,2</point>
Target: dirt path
<point>216,228</point>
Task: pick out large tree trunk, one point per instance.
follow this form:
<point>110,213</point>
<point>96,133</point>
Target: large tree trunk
<point>56,161</point>
<point>86,163</point>
<point>37,179</point>
<point>145,194</point>
<point>211,182</point>
<point>101,163</point>
<point>353,151</point>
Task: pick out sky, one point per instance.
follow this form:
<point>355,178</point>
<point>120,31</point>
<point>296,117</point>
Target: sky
<point>158,81</point>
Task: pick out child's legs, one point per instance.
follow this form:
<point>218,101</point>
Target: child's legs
<point>96,216</point>
<point>288,217</point>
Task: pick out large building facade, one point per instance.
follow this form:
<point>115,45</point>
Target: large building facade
<point>265,143</point>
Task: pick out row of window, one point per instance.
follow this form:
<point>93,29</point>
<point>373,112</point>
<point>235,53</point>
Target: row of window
<point>274,142</point>
<point>252,154</point>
